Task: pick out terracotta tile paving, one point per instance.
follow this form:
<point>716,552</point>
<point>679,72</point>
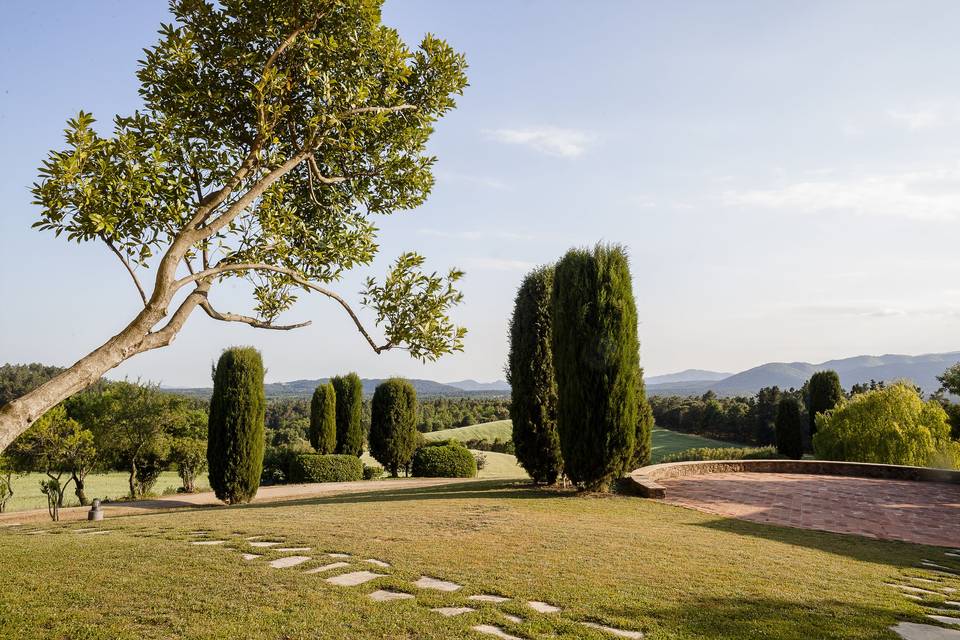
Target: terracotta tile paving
<point>921,512</point>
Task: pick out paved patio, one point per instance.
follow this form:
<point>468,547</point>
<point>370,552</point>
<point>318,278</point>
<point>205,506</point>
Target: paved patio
<point>921,512</point>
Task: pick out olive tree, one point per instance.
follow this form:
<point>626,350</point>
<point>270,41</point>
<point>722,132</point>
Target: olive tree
<point>272,132</point>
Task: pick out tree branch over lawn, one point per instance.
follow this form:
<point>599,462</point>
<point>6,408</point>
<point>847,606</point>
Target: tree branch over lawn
<point>301,122</point>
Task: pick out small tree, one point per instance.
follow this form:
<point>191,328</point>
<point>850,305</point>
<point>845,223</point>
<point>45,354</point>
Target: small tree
<point>6,481</point>
<point>235,440</point>
<point>323,419</point>
<point>643,442</point>
<point>393,424</point>
<point>597,361</point>
<point>533,389</point>
<point>190,456</point>
<point>789,428</point>
<point>825,393</point>
<point>349,408</point>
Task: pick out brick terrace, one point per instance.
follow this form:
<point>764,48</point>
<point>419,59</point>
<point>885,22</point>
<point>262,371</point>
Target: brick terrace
<point>921,512</point>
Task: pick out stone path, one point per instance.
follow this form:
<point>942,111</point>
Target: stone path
<point>940,580</point>
<point>920,512</point>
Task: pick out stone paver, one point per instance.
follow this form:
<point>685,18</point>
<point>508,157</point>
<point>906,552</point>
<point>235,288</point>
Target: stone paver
<point>439,585</point>
<point>378,563</point>
<point>542,607</point>
<point>291,549</point>
<point>328,567</point>
<point>914,631</point>
<point>512,618</point>
<point>920,512</point>
<point>386,596</point>
<point>945,619</point>
<point>485,597</point>
<point>354,578</point>
<point>449,612</point>
<point>338,555</point>
<point>289,561</point>
<point>264,545</point>
<point>492,630</point>
<point>620,633</point>
<point>208,543</point>
<point>249,556</point>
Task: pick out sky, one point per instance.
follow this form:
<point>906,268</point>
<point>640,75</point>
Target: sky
<point>785,176</point>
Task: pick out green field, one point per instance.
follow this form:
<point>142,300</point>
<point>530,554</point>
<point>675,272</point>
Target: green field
<point>26,488</point>
<point>489,431</point>
<point>666,442</point>
<point>636,564</point>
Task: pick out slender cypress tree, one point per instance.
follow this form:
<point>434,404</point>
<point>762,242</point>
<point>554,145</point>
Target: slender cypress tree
<point>323,419</point>
<point>235,433</point>
<point>643,441</point>
<point>349,402</point>
<point>789,428</point>
<point>825,392</point>
<point>596,356</point>
<point>393,424</point>
<point>533,390</point>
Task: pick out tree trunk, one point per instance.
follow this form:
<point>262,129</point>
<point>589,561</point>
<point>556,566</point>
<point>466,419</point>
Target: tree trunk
<point>132,480</point>
<point>78,489</point>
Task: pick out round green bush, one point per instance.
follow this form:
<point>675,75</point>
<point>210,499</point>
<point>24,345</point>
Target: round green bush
<point>448,459</point>
<point>372,472</point>
<point>316,467</point>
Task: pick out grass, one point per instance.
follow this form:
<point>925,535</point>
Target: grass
<point>26,488</point>
<point>673,573</point>
<point>489,431</point>
<point>666,442</point>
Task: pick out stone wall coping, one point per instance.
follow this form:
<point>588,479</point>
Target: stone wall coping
<point>644,480</point>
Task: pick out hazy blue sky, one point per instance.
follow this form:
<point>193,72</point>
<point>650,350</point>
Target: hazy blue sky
<point>786,176</point>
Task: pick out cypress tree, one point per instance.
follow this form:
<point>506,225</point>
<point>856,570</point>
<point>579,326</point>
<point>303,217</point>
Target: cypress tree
<point>235,432</point>
<point>596,356</point>
<point>825,392</point>
<point>643,441</point>
<point>323,419</point>
<point>349,407</point>
<point>393,424</point>
<point>789,428</point>
<point>533,390</point>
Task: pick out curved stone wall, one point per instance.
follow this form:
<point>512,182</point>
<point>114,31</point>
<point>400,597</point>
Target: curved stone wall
<point>644,480</point>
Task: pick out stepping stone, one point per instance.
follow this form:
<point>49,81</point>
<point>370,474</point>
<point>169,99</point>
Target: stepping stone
<point>924,580</point>
<point>952,603</point>
<point>485,597</point>
<point>542,607</point>
<point>912,597</point>
<point>620,633</point>
<point>208,543</point>
<point>439,585</point>
<point>354,578</point>
<point>328,567</point>
<point>253,538</point>
<point>378,563</point>
<point>82,530</point>
<point>945,619</point>
<point>914,631</point>
<point>249,556</point>
<point>11,524</point>
<point>948,590</point>
<point>97,533</point>
<point>338,555</point>
<point>951,555</point>
<point>906,587</point>
<point>449,612</point>
<point>387,596</point>
<point>289,561</point>
<point>512,618</point>
<point>491,630</point>
<point>264,545</point>
<point>292,549</point>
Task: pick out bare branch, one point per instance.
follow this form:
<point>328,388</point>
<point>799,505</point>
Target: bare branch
<point>289,41</point>
<point>315,171</point>
<point>253,322</point>
<point>126,263</point>
<point>165,335</point>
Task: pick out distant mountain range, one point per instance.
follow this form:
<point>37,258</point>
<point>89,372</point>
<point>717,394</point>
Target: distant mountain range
<point>688,375</point>
<point>922,370</point>
<point>425,388</point>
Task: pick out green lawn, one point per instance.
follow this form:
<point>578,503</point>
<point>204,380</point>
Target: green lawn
<point>489,431</point>
<point>26,489</point>
<point>666,442</point>
<point>672,573</point>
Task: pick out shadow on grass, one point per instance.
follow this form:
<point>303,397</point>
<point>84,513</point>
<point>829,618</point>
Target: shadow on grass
<point>743,618</point>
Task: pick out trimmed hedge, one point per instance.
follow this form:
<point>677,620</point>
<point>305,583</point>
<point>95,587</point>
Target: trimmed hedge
<point>323,419</point>
<point>393,424</point>
<point>445,459</point>
<point>723,453</point>
<point>317,467</point>
<point>349,410</point>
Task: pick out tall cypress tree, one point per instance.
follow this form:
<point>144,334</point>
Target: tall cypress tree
<point>825,392</point>
<point>789,428</point>
<point>323,419</point>
<point>596,356</point>
<point>393,424</point>
<point>349,402</point>
<point>533,390</point>
<point>235,432</point>
<point>643,441</point>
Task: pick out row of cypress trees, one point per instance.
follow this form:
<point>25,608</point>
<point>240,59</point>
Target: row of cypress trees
<point>578,400</point>
<point>336,416</point>
<point>824,393</point>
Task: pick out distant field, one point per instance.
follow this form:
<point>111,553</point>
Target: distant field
<point>665,442</point>
<point>26,489</point>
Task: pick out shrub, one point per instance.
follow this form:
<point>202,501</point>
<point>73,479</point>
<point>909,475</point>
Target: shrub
<point>892,425</point>
<point>323,419</point>
<point>825,393</point>
<point>349,409</point>
<point>481,459</point>
<point>393,424</point>
<point>597,363</point>
<point>189,454</point>
<point>533,396</point>
<point>788,428</point>
<point>316,467</point>
<point>723,453</point>
<point>446,459</point>
<point>277,461</point>
<point>235,441</point>
<point>372,472</point>
<point>643,439</point>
